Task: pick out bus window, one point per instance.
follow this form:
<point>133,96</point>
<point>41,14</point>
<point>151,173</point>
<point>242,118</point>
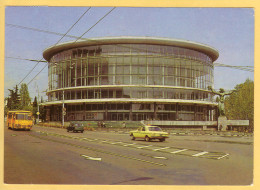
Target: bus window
<point>19,116</point>
<point>28,117</point>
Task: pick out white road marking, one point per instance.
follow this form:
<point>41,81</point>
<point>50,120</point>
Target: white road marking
<point>90,158</point>
<point>116,142</point>
<point>223,156</point>
<point>200,154</point>
<point>177,151</point>
<point>144,146</point>
<point>160,148</point>
<point>129,144</point>
<point>159,157</point>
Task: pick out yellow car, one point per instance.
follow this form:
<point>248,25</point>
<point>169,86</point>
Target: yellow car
<point>148,133</point>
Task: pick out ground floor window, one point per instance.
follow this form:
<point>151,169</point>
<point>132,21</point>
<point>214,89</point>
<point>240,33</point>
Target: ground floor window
<point>133,112</point>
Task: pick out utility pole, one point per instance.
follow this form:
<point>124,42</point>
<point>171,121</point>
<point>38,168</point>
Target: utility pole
<point>38,109</point>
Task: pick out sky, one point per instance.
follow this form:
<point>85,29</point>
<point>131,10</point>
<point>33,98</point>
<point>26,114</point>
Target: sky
<point>229,30</point>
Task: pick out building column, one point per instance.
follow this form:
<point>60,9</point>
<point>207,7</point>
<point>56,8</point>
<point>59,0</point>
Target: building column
<point>48,113</point>
<point>177,112</point>
<point>131,112</point>
<point>155,111</point>
<point>105,116</point>
<point>195,112</point>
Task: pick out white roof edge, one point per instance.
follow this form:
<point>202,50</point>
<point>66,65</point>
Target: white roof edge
<point>212,52</point>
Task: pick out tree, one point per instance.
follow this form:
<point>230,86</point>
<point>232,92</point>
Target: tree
<point>25,98</point>
<point>240,105</point>
<point>14,99</point>
<point>35,107</point>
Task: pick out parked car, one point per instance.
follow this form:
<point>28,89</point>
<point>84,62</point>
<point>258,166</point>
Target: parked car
<point>149,133</point>
<point>75,127</point>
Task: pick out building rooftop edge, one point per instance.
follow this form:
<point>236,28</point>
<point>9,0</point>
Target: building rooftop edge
<point>50,51</point>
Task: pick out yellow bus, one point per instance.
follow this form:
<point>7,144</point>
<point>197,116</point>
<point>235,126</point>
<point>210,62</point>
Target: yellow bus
<point>19,120</point>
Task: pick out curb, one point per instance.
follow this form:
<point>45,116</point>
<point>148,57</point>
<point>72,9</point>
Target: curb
<point>171,133</point>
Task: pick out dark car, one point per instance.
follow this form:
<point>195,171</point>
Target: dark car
<point>75,127</point>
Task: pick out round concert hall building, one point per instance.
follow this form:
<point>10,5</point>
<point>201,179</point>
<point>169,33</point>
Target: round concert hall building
<point>131,79</point>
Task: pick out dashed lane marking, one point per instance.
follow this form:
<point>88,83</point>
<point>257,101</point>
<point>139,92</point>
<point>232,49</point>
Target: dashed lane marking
<point>160,148</point>
<point>90,158</point>
<point>144,146</point>
<point>116,143</point>
<point>222,156</point>
<point>129,144</point>
<point>200,154</point>
<point>178,151</point>
<point>151,156</point>
<point>187,152</point>
<point>99,150</point>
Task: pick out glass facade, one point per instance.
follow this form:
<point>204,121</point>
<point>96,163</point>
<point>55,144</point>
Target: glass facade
<point>130,64</point>
<point>152,72</point>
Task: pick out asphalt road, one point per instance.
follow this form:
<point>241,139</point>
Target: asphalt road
<point>54,156</point>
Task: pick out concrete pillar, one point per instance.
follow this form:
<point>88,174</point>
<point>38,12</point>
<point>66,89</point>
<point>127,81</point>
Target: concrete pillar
<point>105,116</point>
<point>155,111</point>
<point>177,112</point>
<point>131,112</point>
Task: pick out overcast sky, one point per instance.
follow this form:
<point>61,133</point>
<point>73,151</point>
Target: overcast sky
<point>229,30</point>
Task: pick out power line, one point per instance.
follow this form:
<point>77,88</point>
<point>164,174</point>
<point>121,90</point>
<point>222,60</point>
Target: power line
<point>95,24</point>
<point>78,37</point>
<point>25,59</point>
<point>245,68</point>
<point>54,45</point>
<point>38,30</point>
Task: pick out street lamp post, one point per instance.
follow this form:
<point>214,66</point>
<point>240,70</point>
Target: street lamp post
<point>38,109</point>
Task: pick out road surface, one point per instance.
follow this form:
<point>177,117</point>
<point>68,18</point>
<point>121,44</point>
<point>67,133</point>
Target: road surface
<point>54,156</point>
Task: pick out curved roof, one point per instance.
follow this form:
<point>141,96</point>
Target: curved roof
<point>212,52</point>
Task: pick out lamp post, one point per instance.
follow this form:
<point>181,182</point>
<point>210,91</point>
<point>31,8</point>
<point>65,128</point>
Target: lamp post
<point>38,109</point>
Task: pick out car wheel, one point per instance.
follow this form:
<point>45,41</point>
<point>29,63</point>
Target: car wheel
<point>133,137</point>
<point>82,131</point>
<point>161,140</point>
<point>147,139</point>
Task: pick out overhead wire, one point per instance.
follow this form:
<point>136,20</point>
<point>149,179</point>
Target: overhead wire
<point>78,38</point>
<point>54,45</point>
<point>244,68</point>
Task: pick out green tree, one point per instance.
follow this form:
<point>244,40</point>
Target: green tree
<point>6,109</point>
<point>14,99</point>
<point>35,107</point>
<point>240,105</point>
<point>25,98</point>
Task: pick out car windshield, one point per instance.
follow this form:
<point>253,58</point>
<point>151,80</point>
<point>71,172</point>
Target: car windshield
<point>154,129</point>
